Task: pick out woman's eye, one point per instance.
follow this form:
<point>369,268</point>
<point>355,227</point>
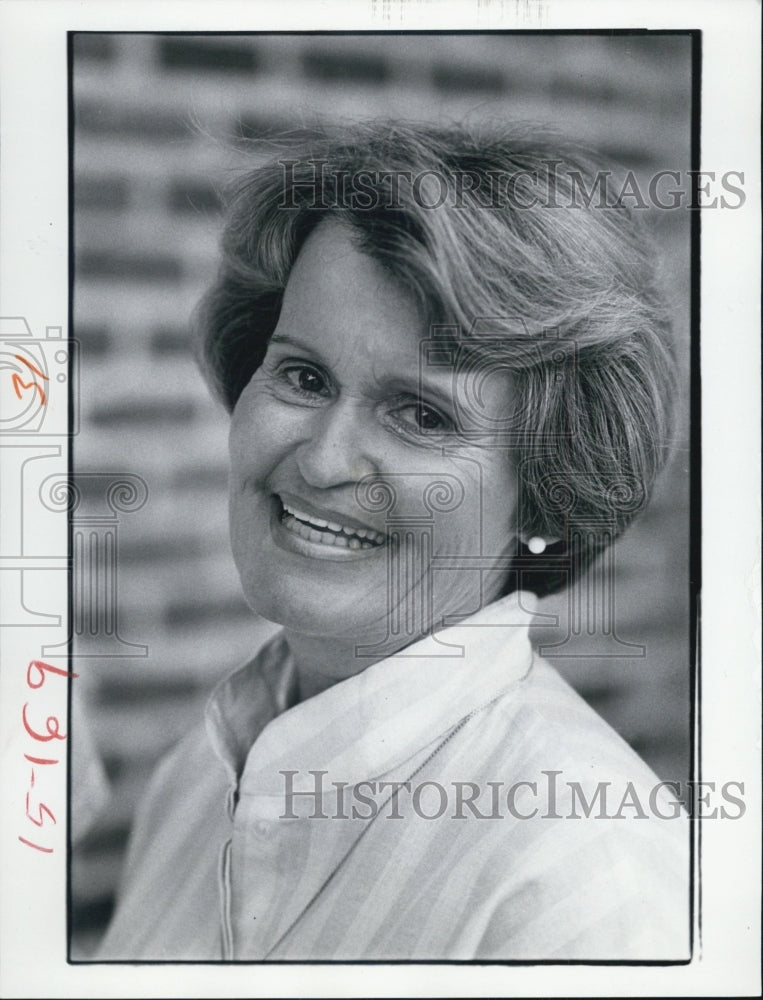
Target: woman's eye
<point>423,419</point>
<point>306,380</point>
<point>428,419</point>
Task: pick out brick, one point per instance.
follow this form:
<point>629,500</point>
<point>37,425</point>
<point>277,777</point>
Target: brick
<point>201,478</point>
<point>145,412</point>
<point>94,340</point>
<point>346,67</point>
<point>98,118</point>
<point>126,266</point>
<point>459,78</point>
<point>170,341</point>
<point>193,197</point>
<point>634,157</point>
<point>205,54</point>
<point>93,46</point>
<point>127,693</point>
<point>569,87</point>
<point>109,193</point>
<point>180,613</point>
<point>267,127</point>
<point>151,550</point>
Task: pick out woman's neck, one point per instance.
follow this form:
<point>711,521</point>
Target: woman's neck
<point>322,662</point>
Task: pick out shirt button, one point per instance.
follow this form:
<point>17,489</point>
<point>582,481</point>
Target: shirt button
<point>231,800</point>
<point>262,829</point>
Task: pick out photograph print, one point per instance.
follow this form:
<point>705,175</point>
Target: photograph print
<point>387,379</point>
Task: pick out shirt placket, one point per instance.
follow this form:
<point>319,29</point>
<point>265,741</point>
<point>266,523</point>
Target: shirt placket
<point>260,876</point>
<point>279,866</point>
<point>225,879</point>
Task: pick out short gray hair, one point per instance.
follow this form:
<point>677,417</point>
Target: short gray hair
<point>560,290</point>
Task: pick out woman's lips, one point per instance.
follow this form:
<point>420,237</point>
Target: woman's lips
<point>331,530</point>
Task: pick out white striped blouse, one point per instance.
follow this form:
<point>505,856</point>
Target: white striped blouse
<point>455,802</point>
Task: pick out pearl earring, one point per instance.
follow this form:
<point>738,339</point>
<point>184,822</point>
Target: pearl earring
<point>537,545</point>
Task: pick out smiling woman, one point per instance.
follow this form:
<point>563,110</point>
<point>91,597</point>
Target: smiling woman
<point>449,394</point>
<point>329,407</point>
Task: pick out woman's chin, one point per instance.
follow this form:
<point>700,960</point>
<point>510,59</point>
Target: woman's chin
<point>314,610</point>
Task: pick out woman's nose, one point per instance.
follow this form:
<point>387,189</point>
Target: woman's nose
<point>337,448</point>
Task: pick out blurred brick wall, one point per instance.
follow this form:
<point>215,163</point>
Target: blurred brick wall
<point>161,124</point>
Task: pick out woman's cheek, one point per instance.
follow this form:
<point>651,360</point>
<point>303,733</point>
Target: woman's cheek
<point>263,428</point>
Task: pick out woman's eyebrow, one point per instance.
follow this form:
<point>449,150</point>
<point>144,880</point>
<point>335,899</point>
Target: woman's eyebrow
<point>440,386</point>
<point>284,338</point>
<point>306,347</point>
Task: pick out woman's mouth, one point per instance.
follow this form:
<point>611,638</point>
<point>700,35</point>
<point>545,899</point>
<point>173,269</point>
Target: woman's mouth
<point>325,532</point>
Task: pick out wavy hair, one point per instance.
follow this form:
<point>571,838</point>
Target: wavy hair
<point>497,234</point>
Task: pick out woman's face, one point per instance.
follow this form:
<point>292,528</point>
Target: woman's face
<point>339,397</point>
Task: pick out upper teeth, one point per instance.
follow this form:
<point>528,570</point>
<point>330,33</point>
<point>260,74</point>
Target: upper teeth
<point>318,522</point>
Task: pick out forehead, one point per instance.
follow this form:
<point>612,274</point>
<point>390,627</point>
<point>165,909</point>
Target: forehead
<point>350,312</point>
<point>337,294</point>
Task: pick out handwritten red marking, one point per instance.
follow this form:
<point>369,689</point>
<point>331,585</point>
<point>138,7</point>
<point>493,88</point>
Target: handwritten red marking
<point>41,760</point>
<point>29,365</point>
<point>41,808</point>
<point>41,667</point>
<point>16,379</point>
<point>46,850</point>
<point>51,725</point>
<point>36,675</point>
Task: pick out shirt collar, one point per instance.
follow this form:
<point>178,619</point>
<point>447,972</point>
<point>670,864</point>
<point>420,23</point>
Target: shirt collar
<point>361,727</point>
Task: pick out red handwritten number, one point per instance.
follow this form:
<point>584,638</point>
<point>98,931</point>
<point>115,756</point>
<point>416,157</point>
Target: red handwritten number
<point>36,675</point>
<point>45,850</point>
<point>41,760</point>
<point>41,808</point>
<point>41,667</point>
<point>51,724</point>
<point>28,385</point>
